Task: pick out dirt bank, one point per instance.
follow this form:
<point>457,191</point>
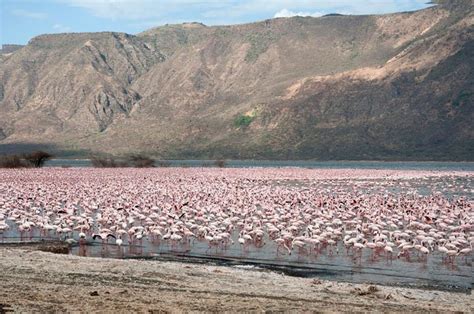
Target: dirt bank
<point>31,280</point>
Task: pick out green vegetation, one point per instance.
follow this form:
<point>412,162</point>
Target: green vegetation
<point>243,121</point>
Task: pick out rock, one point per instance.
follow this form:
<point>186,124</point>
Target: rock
<point>372,289</point>
<point>56,248</point>
<point>94,294</point>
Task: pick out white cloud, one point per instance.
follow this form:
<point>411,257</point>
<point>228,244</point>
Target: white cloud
<point>61,28</point>
<point>29,14</point>
<point>288,13</point>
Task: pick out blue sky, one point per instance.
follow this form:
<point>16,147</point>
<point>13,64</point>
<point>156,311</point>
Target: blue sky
<point>23,19</point>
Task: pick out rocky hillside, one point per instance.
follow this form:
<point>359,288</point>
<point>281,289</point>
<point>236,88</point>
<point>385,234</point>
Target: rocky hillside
<point>9,48</point>
<point>397,86</point>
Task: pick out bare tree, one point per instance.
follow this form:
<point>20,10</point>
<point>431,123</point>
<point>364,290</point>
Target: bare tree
<point>37,159</point>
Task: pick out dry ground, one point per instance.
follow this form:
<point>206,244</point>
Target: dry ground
<point>31,280</point>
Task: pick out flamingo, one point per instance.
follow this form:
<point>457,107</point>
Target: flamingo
<point>357,214</point>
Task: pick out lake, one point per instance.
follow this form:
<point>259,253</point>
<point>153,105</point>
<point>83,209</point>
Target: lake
<point>397,165</point>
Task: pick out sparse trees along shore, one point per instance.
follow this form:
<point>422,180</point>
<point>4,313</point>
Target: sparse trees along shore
<point>35,159</point>
<point>135,161</point>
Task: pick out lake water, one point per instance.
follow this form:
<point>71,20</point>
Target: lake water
<point>434,272</point>
<point>401,165</point>
<point>338,263</point>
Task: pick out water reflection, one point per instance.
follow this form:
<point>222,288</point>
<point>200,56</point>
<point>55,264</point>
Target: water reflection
<point>398,165</point>
<point>325,262</point>
<point>336,262</point>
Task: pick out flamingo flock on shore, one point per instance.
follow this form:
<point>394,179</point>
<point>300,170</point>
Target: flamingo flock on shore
<point>304,212</point>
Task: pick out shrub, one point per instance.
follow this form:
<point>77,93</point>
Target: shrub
<point>243,121</point>
<point>220,163</point>
<point>140,161</point>
<point>98,162</point>
<point>137,161</point>
<point>37,159</point>
<point>12,161</point>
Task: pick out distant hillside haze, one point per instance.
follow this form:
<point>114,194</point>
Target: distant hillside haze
<point>7,48</point>
<point>397,86</point>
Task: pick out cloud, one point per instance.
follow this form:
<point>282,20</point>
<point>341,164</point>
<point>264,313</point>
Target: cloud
<point>29,14</point>
<point>61,28</point>
<point>288,13</point>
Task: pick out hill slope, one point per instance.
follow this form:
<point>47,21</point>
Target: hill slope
<point>396,86</point>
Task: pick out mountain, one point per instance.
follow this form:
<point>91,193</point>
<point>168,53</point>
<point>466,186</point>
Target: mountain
<point>9,48</point>
<point>396,86</point>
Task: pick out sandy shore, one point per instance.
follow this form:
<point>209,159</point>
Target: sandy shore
<point>32,280</point>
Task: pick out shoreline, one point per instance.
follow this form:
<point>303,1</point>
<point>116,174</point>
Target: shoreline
<point>41,281</point>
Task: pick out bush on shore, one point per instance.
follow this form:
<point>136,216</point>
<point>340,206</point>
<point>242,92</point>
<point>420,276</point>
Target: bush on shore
<point>141,161</point>
<point>220,163</point>
<point>98,162</point>
<point>31,160</point>
<point>37,159</point>
<point>12,161</point>
<point>135,161</point>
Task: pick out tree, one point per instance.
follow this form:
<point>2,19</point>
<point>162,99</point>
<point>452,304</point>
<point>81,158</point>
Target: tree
<point>38,158</point>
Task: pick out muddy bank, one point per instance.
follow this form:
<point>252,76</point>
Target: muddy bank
<point>32,280</point>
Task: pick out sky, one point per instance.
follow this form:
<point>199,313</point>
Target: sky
<point>23,19</point>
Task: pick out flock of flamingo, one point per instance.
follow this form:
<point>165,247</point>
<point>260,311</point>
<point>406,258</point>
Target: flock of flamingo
<point>300,211</point>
